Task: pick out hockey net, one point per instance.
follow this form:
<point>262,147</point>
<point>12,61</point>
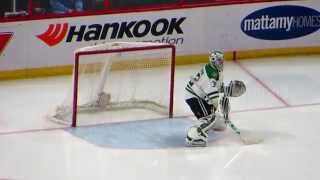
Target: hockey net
<point>118,76</point>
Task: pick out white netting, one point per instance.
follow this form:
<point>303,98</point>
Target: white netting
<point>118,76</point>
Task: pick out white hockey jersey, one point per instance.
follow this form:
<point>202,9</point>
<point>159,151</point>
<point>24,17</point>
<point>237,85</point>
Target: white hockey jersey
<point>205,84</point>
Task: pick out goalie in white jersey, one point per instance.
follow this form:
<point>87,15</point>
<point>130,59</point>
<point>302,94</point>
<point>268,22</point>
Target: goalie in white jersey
<point>202,95</point>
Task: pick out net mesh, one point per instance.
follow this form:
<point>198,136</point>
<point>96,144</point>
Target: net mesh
<point>118,76</point>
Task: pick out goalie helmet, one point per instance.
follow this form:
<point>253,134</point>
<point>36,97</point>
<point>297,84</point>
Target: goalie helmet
<point>216,59</point>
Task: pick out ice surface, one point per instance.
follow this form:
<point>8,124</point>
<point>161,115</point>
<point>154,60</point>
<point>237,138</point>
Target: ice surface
<point>281,106</point>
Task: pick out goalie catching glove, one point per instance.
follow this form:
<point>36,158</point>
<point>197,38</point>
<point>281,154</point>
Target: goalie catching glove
<point>235,88</point>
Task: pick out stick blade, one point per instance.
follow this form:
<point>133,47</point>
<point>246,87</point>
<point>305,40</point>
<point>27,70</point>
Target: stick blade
<point>250,138</point>
<point>251,141</point>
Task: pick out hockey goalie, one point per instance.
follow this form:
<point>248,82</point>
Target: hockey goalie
<point>207,97</point>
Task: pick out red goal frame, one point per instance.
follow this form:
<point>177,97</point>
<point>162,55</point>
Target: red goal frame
<point>129,49</point>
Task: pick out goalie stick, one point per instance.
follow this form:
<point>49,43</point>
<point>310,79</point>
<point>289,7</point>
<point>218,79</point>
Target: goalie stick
<point>226,110</point>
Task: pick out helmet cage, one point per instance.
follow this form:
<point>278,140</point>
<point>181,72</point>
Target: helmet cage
<point>216,59</point>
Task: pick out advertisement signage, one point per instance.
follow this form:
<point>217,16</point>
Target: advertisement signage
<point>281,22</point>
<point>195,31</point>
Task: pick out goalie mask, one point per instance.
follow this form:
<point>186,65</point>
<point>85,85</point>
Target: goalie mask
<point>216,59</point>
<point>236,88</point>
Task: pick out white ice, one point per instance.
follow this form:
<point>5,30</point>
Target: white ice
<point>281,106</point>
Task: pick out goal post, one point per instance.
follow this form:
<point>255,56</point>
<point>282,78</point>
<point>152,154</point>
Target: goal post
<point>120,76</point>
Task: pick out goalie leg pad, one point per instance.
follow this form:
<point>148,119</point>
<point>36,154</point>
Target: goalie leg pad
<point>206,123</point>
<point>220,124</point>
<point>197,135</point>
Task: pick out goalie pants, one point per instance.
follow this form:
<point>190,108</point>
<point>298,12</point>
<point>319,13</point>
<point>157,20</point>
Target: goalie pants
<point>199,107</point>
